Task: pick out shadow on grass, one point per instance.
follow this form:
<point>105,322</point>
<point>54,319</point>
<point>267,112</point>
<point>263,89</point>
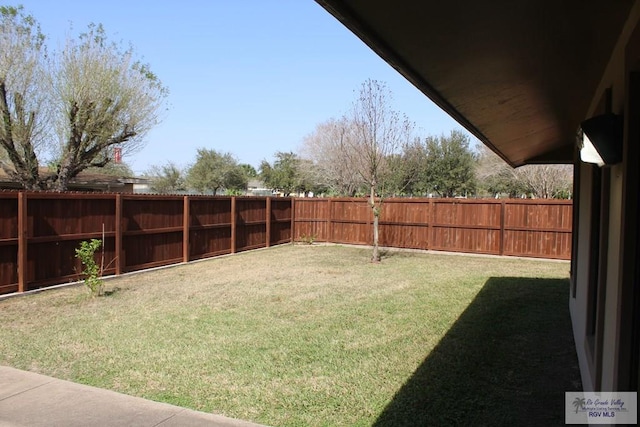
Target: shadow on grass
<point>507,360</point>
<point>111,292</point>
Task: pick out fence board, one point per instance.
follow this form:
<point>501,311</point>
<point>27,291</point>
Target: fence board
<point>251,223</point>
<point>152,231</point>
<point>538,230</point>
<point>56,224</point>
<point>466,226</point>
<point>281,218</point>
<point>350,221</point>
<point>405,224</point>
<point>210,227</point>
<point>312,219</point>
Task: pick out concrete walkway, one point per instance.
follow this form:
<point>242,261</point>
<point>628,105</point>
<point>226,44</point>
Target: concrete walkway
<point>33,400</point>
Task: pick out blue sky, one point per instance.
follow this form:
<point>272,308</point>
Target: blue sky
<point>245,76</point>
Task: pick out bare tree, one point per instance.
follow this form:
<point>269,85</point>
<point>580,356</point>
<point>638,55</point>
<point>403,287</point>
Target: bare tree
<point>324,148</point>
<point>23,128</point>
<point>540,181</point>
<point>93,96</point>
<point>377,136</point>
<point>363,150</point>
<point>311,178</point>
<point>546,181</point>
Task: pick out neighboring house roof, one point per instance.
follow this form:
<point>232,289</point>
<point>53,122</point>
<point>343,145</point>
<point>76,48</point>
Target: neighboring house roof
<point>256,187</point>
<point>85,181</point>
<point>256,184</point>
<point>518,75</point>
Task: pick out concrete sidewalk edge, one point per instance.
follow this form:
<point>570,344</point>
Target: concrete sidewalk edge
<point>30,399</point>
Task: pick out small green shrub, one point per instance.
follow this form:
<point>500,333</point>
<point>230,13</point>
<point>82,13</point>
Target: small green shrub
<point>92,271</point>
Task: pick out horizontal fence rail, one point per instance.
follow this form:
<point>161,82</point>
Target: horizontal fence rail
<point>40,231</point>
<point>516,227</point>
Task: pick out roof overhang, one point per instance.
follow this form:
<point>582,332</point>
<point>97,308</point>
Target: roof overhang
<point>519,75</point>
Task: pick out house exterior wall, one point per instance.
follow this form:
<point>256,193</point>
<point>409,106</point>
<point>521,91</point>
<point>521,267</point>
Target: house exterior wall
<point>578,301</point>
<point>612,288</point>
<point>603,298</point>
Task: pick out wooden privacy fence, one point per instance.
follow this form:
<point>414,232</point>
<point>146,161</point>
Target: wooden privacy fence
<point>517,227</point>
<point>39,232</point>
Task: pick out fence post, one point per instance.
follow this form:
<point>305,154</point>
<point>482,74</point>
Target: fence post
<point>329,222</point>
<point>430,228</point>
<point>22,241</point>
<point>268,231</point>
<point>502,236</point>
<point>293,219</point>
<point>233,224</point>
<point>186,215</point>
<point>118,237</point>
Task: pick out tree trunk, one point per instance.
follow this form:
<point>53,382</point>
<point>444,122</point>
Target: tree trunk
<point>64,175</point>
<point>375,256</point>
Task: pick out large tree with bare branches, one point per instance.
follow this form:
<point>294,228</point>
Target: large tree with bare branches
<point>378,136</point>
<point>362,151</point>
<point>325,149</point>
<point>77,105</point>
<point>538,181</point>
<point>373,137</point>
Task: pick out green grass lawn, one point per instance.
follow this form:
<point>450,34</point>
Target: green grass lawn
<point>318,336</point>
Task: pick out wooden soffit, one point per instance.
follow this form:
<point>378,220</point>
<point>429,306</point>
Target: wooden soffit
<point>518,74</point>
